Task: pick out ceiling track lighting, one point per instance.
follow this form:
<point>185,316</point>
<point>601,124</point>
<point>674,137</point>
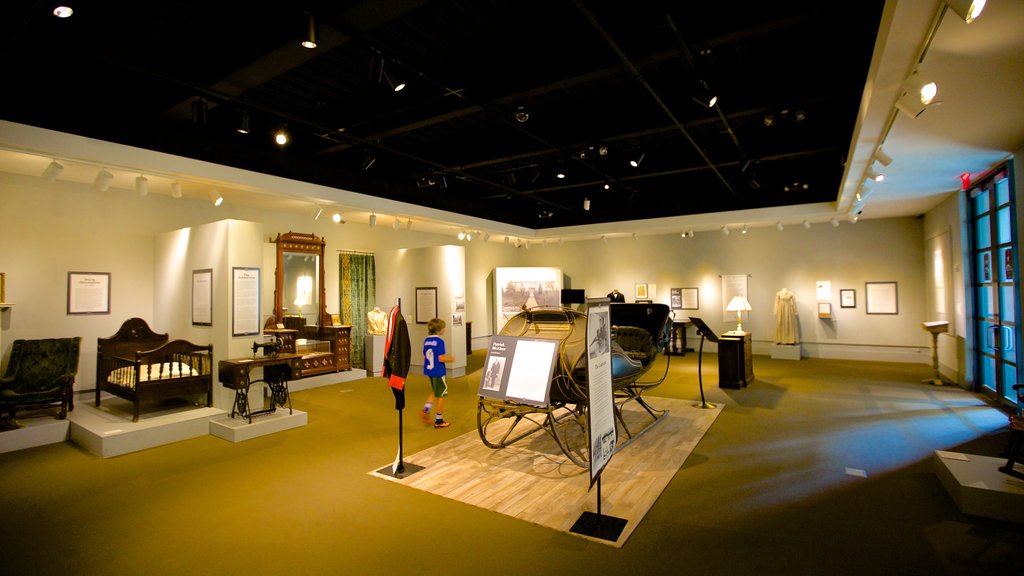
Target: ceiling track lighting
<point>336,217</point>
<point>807,225</point>
<point>396,223</point>
<point>704,96</point>
<point>199,111</point>
<point>52,170</point>
<point>874,176</point>
<point>216,198</point>
<point>522,114</point>
<point>744,230</point>
<point>176,189</point>
<point>917,95</point>
<point>725,230</point>
<point>373,220</point>
<point>103,180</point>
<point>969,10</point>
<point>310,36</point>
<point>883,158</point>
<point>636,163</point>
<point>586,204</point>
<point>243,122</point>
<point>63,11</point>
<point>281,137</point>
<point>142,185</point>
<point>779,226</point>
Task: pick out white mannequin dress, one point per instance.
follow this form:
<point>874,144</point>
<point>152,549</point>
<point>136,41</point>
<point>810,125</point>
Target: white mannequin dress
<point>786,328</point>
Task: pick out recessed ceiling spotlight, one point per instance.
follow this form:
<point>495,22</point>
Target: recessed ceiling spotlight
<point>522,114</point>
<point>636,163</point>
<point>63,11</point>
<point>281,137</point>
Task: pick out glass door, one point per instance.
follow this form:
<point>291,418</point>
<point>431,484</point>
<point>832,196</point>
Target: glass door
<point>995,289</point>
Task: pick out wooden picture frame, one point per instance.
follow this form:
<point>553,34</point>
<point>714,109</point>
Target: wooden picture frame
<point>881,298</point>
<point>88,293</point>
<point>641,291</point>
<point>691,298</point>
<point>847,298</point>
<point>426,304</point>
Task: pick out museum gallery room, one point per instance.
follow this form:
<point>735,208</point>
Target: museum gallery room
<point>538,286</point>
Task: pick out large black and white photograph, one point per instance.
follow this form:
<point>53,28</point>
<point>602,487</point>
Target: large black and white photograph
<point>517,289</point>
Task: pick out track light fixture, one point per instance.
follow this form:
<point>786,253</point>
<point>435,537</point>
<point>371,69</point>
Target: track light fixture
<point>462,234</point>
<point>369,162</point>
<point>636,163</point>
<point>744,230</point>
<point>373,220</point>
<point>725,230</point>
<point>807,225</point>
<point>243,122</point>
<point>310,36</point>
<point>199,111</point>
<point>778,226</point>
<point>586,203</point>
<point>396,223</point>
<point>216,198</point>
<point>52,170</point>
<point>874,176</point>
<point>883,158</point>
<point>281,137</point>
<point>63,11</point>
<point>967,9</point>
<point>141,185</point>
<point>704,96</point>
<point>176,189</point>
<point>522,114</point>
<point>336,217</point>
<point>917,94</point>
<point>103,180</point>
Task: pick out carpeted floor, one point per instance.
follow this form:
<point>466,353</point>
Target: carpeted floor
<point>818,467</point>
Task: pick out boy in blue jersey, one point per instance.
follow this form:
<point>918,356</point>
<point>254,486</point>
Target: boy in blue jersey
<point>434,358</point>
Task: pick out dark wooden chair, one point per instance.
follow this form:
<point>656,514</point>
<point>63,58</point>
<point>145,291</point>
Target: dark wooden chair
<point>40,373</point>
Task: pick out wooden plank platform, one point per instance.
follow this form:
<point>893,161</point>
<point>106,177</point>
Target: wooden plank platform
<point>534,481</point>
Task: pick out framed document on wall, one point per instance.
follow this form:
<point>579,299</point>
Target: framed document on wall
<point>88,293</point>
<point>202,297</point>
<point>881,298</point>
<point>426,304</point>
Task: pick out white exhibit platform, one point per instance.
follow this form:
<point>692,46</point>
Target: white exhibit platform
<point>979,488</point>
<point>785,352</point>
<point>108,430</point>
<point>239,429</point>
<point>36,430</point>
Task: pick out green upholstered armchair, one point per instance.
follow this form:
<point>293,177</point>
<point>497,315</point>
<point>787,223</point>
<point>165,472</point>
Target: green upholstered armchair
<point>40,373</point>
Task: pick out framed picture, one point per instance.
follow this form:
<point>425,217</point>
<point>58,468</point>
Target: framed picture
<point>88,293</point>
<point>641,291</point>
<point>335,319</point>
<point>824,309</point>
<point>691,298</point>
<point>426,304</point>
<point>847,298</point>
<point>676,298</point>
<point>881,298</point>
<point>202,297</point>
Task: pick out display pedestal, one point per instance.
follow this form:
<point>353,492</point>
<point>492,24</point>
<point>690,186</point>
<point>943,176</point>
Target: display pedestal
<point>786,352</point>
<point>735,360</point>
<point>373,353</point>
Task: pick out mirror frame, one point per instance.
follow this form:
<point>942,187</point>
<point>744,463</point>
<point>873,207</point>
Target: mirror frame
<point>306,244</point>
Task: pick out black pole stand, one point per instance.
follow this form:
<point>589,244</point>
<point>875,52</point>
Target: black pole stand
<point>597,525</point>
<point>700,377</point>
<point>399,469</point>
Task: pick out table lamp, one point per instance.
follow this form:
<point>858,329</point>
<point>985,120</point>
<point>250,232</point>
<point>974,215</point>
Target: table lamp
<point>739,305</point>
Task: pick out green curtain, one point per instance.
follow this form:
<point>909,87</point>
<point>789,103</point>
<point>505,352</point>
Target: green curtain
<point>358,296</point>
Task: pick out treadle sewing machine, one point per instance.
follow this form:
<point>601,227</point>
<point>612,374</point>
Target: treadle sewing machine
<point>277,371</point>
<point>639,331</point>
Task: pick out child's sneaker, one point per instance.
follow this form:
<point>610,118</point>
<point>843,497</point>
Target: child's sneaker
<point>441,424</point>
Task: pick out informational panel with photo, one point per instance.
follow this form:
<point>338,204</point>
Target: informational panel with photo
<point>519,369</point>
<point>600,400</point>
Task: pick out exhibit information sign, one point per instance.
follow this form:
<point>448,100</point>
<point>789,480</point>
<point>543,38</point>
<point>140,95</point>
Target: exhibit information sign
<point>601,408</point>
<point>519,369</point>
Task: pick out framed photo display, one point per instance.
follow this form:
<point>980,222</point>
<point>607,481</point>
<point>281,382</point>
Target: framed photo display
<point>641,291</point>
<point>202,297</point>
<point>847,298</point>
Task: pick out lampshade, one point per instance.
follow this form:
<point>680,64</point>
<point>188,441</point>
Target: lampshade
<point>739,305</point>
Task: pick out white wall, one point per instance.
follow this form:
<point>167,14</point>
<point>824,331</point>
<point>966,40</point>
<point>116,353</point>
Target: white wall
<point>62,226</point>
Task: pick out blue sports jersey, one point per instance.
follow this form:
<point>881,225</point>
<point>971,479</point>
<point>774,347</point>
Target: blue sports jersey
<point>433,348</point>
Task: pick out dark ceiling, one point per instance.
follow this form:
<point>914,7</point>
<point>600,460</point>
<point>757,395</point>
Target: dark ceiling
<point>603,82</point>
